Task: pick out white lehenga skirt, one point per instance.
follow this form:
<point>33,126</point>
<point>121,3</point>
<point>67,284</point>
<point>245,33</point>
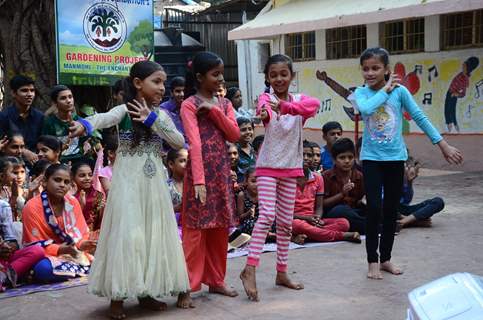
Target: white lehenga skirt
<point>139,252</point>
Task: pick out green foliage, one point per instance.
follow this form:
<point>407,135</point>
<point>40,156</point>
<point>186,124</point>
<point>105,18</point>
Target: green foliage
<point>141,38</point>
<point>104,20</point>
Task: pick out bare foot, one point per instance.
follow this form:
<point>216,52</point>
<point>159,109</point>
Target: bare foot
<point>352,237</point>
<point>223,291</point>
<point>299,239</point>
<point>116,310</point>
<point>185,301</point>
<point>388,266</point>
<point>152,304</point>
<point>374,271</point>
<point>425,223</point>
<point>283,280</point>
<point>248,278</point>
<point>399,227</point>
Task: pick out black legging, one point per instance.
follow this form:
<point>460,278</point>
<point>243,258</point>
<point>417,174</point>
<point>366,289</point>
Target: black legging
<point>379,174</point>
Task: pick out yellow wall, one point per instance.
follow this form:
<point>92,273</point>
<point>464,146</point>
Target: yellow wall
<point>278,3</point>
<point>469,109</point>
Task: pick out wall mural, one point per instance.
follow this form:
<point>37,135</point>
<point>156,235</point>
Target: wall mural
<point>448,90</point>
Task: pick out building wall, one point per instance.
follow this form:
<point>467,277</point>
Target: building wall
<point>427,75</point>
<point>250,76</point>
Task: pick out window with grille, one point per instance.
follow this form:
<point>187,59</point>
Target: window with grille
<point>348,42</point>
<point>300,46</point>
<point>403,36</point>
<point>462,30</point>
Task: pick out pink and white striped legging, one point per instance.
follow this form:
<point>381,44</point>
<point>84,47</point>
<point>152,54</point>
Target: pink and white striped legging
<point>276,197</point>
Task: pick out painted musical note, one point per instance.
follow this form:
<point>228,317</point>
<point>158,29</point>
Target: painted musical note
<point>327,104</point>
<point>418,68</point>
<point>428,98</point>
<point>434,72</point>
<point>479,89</point>
<point>468,111</point>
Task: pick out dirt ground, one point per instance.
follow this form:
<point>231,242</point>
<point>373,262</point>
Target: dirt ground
<point>334,276</point>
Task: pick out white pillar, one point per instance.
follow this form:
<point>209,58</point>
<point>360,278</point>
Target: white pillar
<point>244,79</point>
<point>372,31</point>
<point>432,31</point>
<point>278,44</point>
<point>320,47</point>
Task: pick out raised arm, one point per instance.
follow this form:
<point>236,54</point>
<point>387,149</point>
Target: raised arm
<point>161,124</point>
<point>450,153</point>
<point>104,120</point>
<point>226,123</point>
<point>367,106</point>
<point>418,116</point>
<point>305,106</point>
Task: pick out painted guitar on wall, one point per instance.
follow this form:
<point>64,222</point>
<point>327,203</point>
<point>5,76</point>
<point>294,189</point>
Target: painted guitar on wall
<point>410,81</point>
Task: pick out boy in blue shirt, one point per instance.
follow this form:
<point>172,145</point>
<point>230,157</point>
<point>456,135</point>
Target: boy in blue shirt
<point>331,131</point>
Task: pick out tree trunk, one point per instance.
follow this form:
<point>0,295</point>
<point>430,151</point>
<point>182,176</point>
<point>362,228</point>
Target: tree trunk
<point>27,44</point>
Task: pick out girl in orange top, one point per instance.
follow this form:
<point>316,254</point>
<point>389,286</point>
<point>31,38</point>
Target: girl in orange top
<point>54,220</point>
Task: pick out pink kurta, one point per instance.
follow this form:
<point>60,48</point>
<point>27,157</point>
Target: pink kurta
<point>208,164</point>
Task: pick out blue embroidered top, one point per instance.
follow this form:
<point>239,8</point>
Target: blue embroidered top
<point>383,118</point>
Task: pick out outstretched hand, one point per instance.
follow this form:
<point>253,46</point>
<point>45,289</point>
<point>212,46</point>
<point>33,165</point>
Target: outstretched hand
<point>139,111</point>
<point>450,153</point>
<point>322,76</point>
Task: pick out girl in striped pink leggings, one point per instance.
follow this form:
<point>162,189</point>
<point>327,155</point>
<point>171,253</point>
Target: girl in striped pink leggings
<point>279,164</point>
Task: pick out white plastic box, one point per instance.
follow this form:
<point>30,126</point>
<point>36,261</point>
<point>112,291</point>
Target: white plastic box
<point>458,296</point>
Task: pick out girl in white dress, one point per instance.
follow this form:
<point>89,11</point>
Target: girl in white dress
<point>139,254</point>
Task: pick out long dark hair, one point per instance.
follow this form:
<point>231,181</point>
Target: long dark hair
<point>378,52</point>
<point>201,63</point>
<point>4,163</point>
<point>276,58</point>
<point>140,70</point>
<point>53,168</point>
<point>110,143</point>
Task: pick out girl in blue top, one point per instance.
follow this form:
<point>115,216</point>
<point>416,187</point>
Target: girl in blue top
<point>381,102</point>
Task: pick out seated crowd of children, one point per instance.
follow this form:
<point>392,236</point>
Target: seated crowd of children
<point>329,204</point>
<point>66,180</point>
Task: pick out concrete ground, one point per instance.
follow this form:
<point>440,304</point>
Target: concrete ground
<point>471,145</point>
<point>334,276</point>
